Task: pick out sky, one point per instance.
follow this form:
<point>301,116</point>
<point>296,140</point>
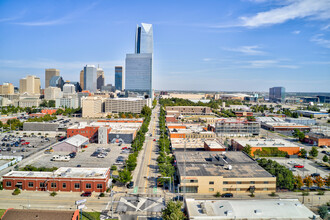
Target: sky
<point>217,45</point>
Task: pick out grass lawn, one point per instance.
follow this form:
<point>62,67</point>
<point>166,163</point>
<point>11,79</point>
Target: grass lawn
<point>2,211</point>
<point>94,215</point>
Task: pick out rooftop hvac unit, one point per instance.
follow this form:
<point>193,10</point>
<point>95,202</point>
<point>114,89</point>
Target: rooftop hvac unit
<point>257,211</point>
<point>228,167</point>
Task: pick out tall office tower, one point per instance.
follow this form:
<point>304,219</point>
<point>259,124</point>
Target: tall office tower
<point>7,89</point>
<point>139,74</point>
<point>30,85</point>
<point>144,38</point>
<point>138,77</point>
<point>49,73</point>
<point>90,78</point>
<point>82,84</point>
<point>100,78</point>
<point>277,94</point>
<point>56,81</point>
<point>119,78</point>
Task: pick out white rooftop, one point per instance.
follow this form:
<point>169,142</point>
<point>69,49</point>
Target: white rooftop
<point>76,140</point>
<point>266,142</point>
<point>248,209</point>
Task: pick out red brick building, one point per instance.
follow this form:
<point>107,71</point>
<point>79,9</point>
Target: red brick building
<point>48,111</point>
<point>91,132</point>
<point>63,179</point>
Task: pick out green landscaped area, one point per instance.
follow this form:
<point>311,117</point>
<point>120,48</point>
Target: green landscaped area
<point>92,216</point>
<point>2,211</point>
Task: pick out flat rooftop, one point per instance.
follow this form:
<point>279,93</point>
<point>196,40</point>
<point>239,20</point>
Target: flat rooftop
<point>30,214</point>
<point>248,209</point>
<point>211,163</point>
<point>64,172</point>
<point>266,142</point>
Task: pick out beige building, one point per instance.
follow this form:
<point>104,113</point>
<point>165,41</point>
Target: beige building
<point>133,105</point>
<point>188,110</point>
<point>99,78</point>
<point>225,172</point>
<point>29,102</point>
<point>49,73</point>
<point>53,93</point>
<point>7,89</point>
<point>82,84</point>
<point>30,85</point>
<point>91,106</point>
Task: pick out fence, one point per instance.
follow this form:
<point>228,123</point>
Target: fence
<point>14,159</point>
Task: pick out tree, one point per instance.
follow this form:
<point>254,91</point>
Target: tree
<point>173,211</point>
<point>125,176</point>
<point>319,181</point>
<point>327,180</point>
<point>299,134</point>
<point>247,149</point>
<point>298,182</point>
<point>323,211</point>
<point>314,152</point>
<point>308,181</point>
<point>146,111</point>
<point>303,152</point>
<point>325,159</point>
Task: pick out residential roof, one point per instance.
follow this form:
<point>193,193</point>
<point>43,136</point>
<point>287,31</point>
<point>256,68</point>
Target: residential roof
<point>248,209</point>
<point>30,214</point>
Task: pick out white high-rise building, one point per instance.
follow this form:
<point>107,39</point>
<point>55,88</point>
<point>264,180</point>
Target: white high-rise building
<point>90,78</point>
<point>53,93</point>
<point>69,89</point>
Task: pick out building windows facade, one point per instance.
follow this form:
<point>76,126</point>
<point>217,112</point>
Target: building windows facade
<point>77,186</point>
<point>30,184</point>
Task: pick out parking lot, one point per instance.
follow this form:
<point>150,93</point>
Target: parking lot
<point>84,159</point>
<point>309,166</point>
<point>26,147</point>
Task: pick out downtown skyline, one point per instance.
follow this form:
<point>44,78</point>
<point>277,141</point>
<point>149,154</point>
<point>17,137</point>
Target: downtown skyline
<point>249,45</point>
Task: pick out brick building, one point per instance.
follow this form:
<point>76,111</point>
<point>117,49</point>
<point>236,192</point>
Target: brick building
<point>317,139</point>
<point>63,179</point>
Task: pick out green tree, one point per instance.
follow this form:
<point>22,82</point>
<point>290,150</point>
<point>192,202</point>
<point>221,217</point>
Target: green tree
<point>324,212</point>
<point>173,211</point>
<point>298,182</point>
<point>299,134</point>
<point>248,150</point>
<point>314,152</point>
<point>325,159</point>
<point>303,152</point>
<point>125,176</point>
<point>146,111</point>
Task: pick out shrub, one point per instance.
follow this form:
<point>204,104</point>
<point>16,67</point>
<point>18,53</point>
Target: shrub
<point>305,193</point>
<point>320,192</point>
<point>16,191</point>
<point>53,194</point>
<point>218,194</point>
<point>101,194</point>
<point>113,167</point>
<point>108,190</point>
<point>273,194</point>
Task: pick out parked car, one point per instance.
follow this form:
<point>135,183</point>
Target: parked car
<point>86,194</point>
<point>298,166</point>
<point>154,139</point>
<point>78,165</point>
<point>101,156</point>
<point>292,162</point>
<point>292,169</point>
<point>315,174</point>
<point>227,195</point>
<point>118,163</point>
<point>124,148</point>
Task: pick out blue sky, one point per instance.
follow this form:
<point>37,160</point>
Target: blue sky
<point>223,45</point>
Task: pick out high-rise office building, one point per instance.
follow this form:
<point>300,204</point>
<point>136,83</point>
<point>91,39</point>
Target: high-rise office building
<point>56,81</point>
<point>30,85</point>
<point>82,84</point>
<point>90,78</point>
<point>69,88</point>
<point>7,89</point>
<point>119,78</point>
<point>49,73</point>
<point>144,38</point>
<point>277,94</point>
<point>139,73</point>
<point>138,77</point>
<point>100,78</point>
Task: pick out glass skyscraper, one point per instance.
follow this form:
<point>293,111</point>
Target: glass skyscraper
<point>277,94</point>
<point>119,79</point>
<point>144,39</point>
<point>138,77</point>
<point>90,78</point>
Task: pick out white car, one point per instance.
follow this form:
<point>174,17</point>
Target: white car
<point>124,152</point>
<point>292,162</point>
<point>101,156</point>
<point>118,163</point>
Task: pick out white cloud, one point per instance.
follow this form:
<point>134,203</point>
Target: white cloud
<point>314,9</point>
<point>327,27</point>
<point>268,64</point>
<point>248,50</point>
<point>321,41</point>
<point>295,32</point>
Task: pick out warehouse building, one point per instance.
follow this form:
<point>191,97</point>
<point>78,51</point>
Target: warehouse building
<point>72,144</point>
<point>313,114</point>
<point>278,124</point>
<point>75,179</point>
<point>259,144</point>
<point>188,110</point>
<point>211,172</point>
<point>248,209</point>
<point>317,139</point>
<point>40,126</point>
<point>301,121</point>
